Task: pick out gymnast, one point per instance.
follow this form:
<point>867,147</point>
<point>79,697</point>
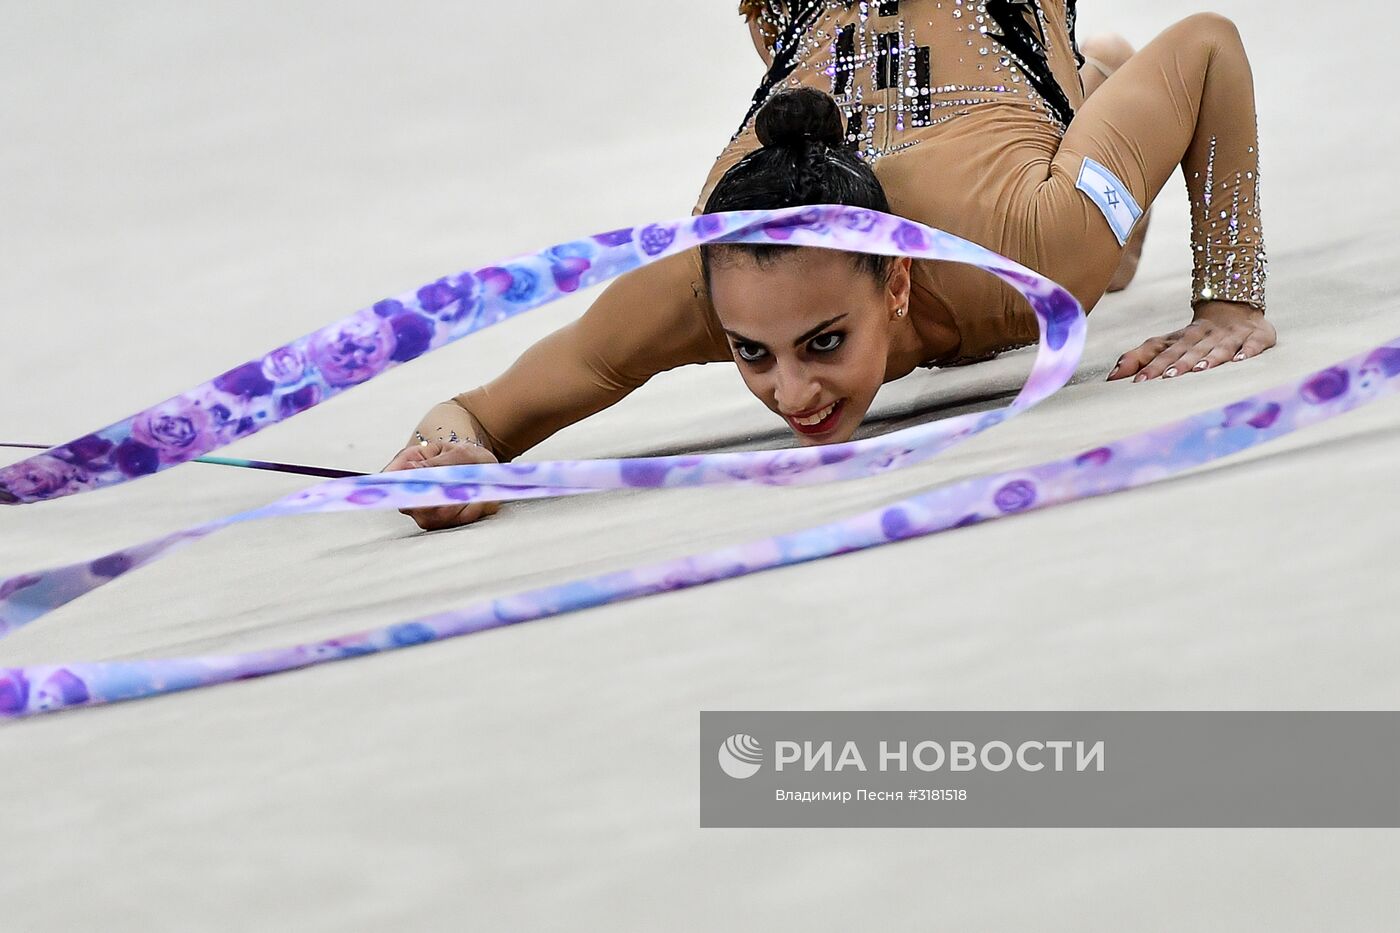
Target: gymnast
<point>979,117</point>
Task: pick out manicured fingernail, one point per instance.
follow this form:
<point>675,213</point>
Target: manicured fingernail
<point>1200,366</point>
<point>1139,377</point>
<point>1169,373</point>
<point>1115,369</point>
<point>1239,356</point>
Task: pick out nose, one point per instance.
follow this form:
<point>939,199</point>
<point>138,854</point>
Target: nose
<point>795,390</point>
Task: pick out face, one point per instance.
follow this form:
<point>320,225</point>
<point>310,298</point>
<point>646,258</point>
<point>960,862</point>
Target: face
<point>811,334</point>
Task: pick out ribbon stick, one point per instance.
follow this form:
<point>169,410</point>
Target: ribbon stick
<point>357,349</point>
<point>272,465</point>
<point>1137,460</point>
<point>1062,326</point>
<point>300,375</point>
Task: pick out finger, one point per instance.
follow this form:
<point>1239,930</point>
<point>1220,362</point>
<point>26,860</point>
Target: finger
<point>1224,351</point>
<point>1134,360</point>
<point>466,514</point>
<point>1257,342</point>
<point>459,455</point>
<point>432,449</point>
<point>1164,363</point>
<point>1251,347</point>
<point>415,455</point>
<point>1197,357</point>
<point>436,518</point>
<point>440,517</point>
<point>402,460</point>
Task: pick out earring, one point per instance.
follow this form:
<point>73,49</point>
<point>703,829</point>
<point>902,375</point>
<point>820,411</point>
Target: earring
<point>900,312</point>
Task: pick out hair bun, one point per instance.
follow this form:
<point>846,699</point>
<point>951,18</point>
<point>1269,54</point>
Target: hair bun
<point>793,116</point>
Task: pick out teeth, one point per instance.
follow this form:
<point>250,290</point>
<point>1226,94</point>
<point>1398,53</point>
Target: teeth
<point>818,418</point>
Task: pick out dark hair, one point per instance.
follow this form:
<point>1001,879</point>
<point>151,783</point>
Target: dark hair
<point>804,160</point>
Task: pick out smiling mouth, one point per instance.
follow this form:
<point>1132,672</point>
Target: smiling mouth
<point>819,422</point>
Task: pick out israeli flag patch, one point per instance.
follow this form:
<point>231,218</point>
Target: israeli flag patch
<point>1112,197</point>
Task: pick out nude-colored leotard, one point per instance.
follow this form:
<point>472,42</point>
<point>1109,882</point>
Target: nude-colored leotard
<point>973,117</point>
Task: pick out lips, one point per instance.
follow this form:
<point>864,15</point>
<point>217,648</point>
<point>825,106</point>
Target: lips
<point>821,427</point>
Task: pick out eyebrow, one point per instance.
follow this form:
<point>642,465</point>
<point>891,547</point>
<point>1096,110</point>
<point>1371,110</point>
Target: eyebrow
<point>799,341</point>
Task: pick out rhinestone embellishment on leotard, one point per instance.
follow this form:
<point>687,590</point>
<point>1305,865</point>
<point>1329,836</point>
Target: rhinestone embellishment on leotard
<point>1227,237</point>
<point>881,74</point>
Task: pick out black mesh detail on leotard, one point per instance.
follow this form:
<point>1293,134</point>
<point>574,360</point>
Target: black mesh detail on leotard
<point>801,15</point>
<point>1072,17</point>
<point>1020,34</point>
<point>1024,42</point>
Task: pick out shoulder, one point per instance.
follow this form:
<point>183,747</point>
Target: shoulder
<point>653,319</point>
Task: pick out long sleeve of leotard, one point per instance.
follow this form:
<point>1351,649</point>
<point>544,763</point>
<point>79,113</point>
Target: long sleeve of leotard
<point>1186,99</point>
<point>973,116</point>
<point>646,322</point>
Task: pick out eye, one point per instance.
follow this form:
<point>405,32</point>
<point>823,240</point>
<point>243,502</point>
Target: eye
<point>749,352</point>
<point>828,342</point>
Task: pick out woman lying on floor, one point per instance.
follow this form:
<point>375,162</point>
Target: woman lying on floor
<point>972,117</point>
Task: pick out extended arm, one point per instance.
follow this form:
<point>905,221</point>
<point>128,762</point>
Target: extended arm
<point>646,322</point>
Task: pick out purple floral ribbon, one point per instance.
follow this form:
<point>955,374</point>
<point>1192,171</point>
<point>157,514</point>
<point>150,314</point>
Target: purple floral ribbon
<point>1137,460</point>
<point>254,395</point>
<point>304,373</point>
<point>28,597</point>
<point>1132,461</point>
<point>272,465</point>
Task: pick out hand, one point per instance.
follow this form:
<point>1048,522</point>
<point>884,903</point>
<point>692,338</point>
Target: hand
<point>1222,332</point>
<point>444,453</point>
